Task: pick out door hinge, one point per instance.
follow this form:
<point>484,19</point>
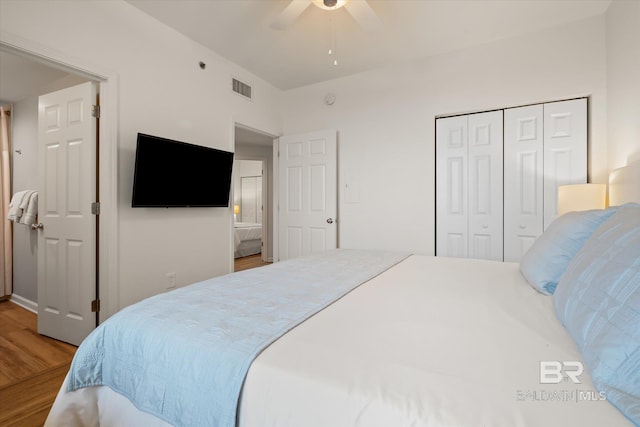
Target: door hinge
<point>95,208</point>
<point>95,111</point>
<point>95,306</point>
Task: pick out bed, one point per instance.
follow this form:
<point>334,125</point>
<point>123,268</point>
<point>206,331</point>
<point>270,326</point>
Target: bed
<point>394,340</point>
<point>247,239</point>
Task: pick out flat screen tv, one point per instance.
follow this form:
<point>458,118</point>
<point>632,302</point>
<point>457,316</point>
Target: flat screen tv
<point>171,173</point>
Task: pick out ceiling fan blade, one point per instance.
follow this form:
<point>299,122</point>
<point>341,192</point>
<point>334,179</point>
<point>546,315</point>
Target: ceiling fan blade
<point>364,15</point>
<point>288,16</point>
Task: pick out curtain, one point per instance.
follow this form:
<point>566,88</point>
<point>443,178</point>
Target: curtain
<point>6,251</point>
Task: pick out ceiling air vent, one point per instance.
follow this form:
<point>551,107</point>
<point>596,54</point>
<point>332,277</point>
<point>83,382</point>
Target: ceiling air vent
<point>241,88</point>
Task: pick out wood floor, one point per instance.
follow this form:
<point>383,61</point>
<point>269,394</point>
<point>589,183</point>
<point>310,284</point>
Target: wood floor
<point>32,368</point>
<point>247,262</point>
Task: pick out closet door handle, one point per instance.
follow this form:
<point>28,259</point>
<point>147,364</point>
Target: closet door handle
<point>38,226</point>
<point>330,220</point>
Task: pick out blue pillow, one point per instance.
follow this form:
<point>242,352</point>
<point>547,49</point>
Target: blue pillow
<point>598,301</point>
<point>546,261</point>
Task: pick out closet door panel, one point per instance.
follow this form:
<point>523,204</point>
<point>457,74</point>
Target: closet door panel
<point>565,150</point>
<point>485,185</point>
<point>523,186</point>
<point>451,187</point>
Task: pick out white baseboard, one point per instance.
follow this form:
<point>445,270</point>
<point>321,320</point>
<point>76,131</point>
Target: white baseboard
<point>24,303</point>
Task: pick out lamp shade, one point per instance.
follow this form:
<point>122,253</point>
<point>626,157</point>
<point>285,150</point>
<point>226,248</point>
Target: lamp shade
<point>581,197</point>
<point>236,209</point>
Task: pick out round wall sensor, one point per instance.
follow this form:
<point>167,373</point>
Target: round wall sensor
<point>329,98</point>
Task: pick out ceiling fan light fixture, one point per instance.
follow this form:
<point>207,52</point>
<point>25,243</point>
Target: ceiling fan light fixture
<point>329,4</point>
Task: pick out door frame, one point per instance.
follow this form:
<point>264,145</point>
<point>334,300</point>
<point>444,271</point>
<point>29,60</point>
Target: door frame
<point>275,208</point>
<point>107,234</point>
<point>268,211</point>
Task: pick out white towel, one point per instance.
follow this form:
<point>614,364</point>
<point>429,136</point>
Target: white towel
<point>31,212</point>
<point>16,207</point>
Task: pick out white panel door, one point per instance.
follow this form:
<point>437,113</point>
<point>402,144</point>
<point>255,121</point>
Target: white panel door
<point>308,194</point>
<point>523,185</point>
<point>485,185</point>
<point>67,237</point>
<point>451,187</point>
<point>565,150</point>
<point>249,198</point>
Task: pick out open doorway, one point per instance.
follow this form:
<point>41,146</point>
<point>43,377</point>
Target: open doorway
<point>23,81</point>
<point>57,72</point>
<point>252,198</point>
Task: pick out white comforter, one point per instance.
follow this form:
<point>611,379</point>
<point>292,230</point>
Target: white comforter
<point>430,342</point>
<point>246,231</point>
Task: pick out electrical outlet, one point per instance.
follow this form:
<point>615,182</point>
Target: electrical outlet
<point>171,280</point>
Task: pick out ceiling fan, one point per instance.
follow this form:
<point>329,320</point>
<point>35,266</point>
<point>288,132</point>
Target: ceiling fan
<point>359,9</point>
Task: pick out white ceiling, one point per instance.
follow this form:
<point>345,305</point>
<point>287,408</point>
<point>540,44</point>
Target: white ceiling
<point>240,31</point>
<point>21,77</point>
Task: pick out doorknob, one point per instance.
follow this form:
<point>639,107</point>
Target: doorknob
<point>37,226</point>
<point>330,220</point>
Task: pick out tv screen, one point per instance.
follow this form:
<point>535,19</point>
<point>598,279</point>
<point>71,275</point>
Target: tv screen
<point>176,174</point>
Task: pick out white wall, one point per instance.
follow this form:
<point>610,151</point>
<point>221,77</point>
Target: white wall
<point>385,120</point>
<point>623,81</point>
<point>162,91</point>
<point>24,137</point>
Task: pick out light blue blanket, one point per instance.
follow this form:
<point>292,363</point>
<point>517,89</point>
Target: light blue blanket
<point>183,356</point>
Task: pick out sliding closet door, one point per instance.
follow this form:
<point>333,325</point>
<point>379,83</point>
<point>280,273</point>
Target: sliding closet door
<point>565,150</point>
<point>523,185</point>
<point>451,187</point>
<point>485,185</point>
